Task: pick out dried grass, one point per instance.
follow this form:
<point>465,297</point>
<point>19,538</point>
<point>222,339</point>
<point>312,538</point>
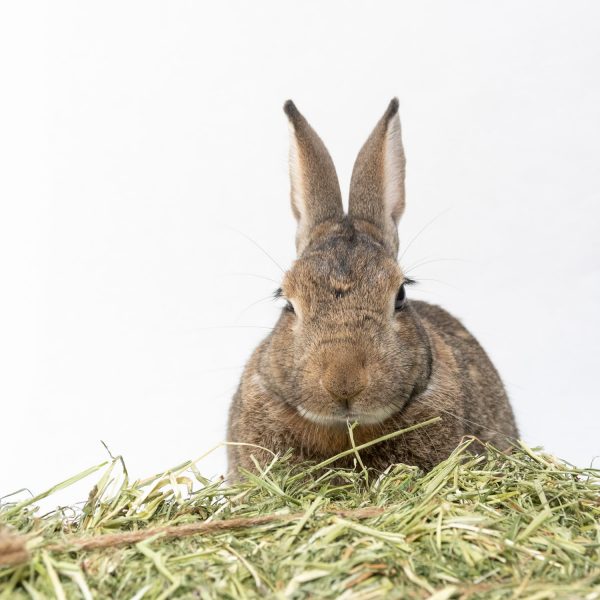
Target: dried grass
<point>502,525</point>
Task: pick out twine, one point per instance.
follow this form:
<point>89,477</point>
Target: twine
<point>13,549</point>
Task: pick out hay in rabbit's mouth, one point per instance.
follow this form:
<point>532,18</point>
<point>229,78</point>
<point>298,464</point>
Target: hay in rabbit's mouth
<point>499,525</point>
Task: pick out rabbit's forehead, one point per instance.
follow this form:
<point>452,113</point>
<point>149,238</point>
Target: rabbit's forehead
<point>342,269</point>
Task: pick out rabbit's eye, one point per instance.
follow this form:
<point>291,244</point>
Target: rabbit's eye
<point>289,307</point>
<point>400,298</point>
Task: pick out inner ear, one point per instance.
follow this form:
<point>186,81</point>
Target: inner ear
<point>315,190</point>
<point>377,183</point>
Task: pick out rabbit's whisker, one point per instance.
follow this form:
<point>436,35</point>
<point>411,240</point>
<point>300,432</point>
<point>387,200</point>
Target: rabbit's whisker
<point>249,306</point>
<point>428,261</point>
<point>251,275</point>
<point>425,227</point>
<point>258,246</point>
<point>209,327</point>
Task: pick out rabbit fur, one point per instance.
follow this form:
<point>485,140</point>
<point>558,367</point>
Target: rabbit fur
<point>349,347</point>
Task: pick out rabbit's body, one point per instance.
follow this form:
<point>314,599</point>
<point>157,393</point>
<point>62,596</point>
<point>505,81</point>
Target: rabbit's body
<point>349,346</point>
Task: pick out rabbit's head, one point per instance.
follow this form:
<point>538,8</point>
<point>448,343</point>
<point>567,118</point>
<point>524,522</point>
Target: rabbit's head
<point>348,345</point>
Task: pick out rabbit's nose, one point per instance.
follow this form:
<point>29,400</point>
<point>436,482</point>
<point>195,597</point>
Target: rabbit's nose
<point>344,378</point>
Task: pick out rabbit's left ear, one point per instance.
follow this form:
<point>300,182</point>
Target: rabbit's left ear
<point>316,195</point>
<point>377,184</point>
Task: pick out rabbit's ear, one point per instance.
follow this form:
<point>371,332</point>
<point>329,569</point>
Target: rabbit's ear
<point>315,188</point>
<point>377,184</point>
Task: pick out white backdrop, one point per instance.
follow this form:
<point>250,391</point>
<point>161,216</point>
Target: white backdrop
<point>143,147</point>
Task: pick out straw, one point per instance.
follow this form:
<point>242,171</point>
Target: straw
<point>521,524</point>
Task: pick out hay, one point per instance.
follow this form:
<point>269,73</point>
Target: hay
<point>516,525</point>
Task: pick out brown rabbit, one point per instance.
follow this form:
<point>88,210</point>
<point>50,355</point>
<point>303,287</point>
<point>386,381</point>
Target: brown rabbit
<point>350,346</point>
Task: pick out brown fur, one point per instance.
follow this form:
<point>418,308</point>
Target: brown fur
<point>344,353</point>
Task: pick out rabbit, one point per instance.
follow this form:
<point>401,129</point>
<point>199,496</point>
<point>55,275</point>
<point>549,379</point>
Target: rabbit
<point>350,345</point>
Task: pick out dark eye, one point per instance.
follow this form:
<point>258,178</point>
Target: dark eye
<point>400,299</point>
<point>278,293</point>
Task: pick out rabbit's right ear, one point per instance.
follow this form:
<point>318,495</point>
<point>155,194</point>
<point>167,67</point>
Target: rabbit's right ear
<point>377,184</point>
<point>315,189</point>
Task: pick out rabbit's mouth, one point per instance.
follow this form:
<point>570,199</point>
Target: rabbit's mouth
<point>347,416</point>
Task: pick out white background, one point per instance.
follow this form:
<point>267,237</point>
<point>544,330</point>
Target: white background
<point>143,147</point>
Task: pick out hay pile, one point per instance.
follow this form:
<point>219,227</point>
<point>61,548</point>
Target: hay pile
<point>518,525</point>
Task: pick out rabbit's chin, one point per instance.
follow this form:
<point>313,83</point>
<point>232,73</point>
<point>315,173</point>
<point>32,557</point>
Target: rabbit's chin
<point>340,419</point>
